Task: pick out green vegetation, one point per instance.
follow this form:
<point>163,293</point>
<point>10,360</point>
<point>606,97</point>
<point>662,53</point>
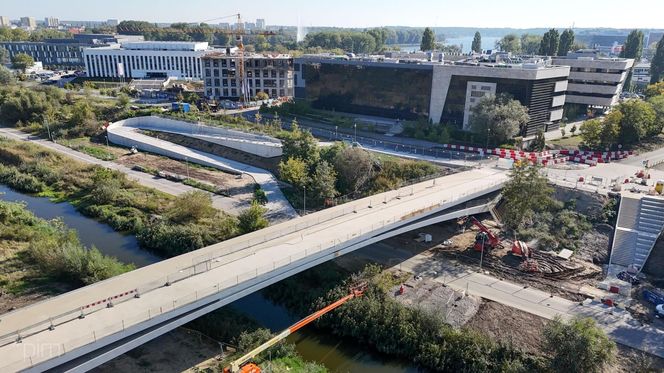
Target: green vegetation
<point>379,321</point>
<point>566,42</point>
<point>550,42</point>
<point>52,247</point>
<point>530,211</point>
<point>657,63</point>
<point>6,76</point>
<point>338,170</point>
<point>628,124</point>
<point>498,119</point>
<point>428,42</point>
<point>22,61</point>
<point>477,43</point>
<point>578,345</point>
<point>252,219</point>
<point>633,45</point>
<point>509,43</point>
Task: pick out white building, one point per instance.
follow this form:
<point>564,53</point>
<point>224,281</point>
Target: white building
<point>641,74</point>
<point>29,23</point>
<point>4,21</point>
<point>147,59</point>
<point>594,80</point>
<point>51,22</point>
<point>260,24</point>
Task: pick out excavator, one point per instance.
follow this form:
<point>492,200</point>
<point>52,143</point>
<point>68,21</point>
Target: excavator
<point>244,364</point>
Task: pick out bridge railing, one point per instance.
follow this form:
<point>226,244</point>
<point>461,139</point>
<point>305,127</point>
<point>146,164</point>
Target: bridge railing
<point>30,359</point>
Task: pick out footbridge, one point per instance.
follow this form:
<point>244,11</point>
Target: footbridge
<point>84,328</point>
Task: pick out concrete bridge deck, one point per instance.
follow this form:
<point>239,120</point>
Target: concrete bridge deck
<point>224,271</point>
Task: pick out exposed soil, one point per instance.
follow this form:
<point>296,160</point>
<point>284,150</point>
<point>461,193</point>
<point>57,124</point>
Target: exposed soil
<point>238,188</point>
<point>558,276</point>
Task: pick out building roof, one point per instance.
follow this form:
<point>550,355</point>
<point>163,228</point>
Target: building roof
<point>166,45</point>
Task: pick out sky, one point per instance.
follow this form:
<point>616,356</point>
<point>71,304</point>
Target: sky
<point>359,13</point>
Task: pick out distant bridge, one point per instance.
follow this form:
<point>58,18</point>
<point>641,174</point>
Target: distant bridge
<point>84,328</point>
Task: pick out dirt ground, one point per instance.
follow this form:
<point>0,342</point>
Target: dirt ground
<point>524,331</point>
<point>238,188</point>
<point>559,276</point>
<point>181,350</point>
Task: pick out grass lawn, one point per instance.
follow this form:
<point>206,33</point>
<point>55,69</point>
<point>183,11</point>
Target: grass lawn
<point>569,142</point>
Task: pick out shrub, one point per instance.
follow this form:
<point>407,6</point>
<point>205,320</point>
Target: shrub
<point>20,181</point>
<point>252,219</point>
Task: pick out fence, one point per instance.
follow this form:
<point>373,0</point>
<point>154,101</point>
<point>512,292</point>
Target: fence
<point>206,263</point>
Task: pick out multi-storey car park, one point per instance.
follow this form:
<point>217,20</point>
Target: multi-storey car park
<point>439,91</point>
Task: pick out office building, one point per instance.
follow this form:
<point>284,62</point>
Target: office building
<point>112,22</point>
<point>441,92</point>
<point>147,59</point>
<point>260,24</point>
<point>272,74</point>
<point>641,74</point>
<point>593,80</point>
<point>51,22</point>
<point>64,53</point>
<point>4,21</point>
<point>29,23</point>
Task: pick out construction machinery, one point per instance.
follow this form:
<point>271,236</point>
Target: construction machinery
<point>485,239</point>
<point>244,364</point>
<point>522,249</point>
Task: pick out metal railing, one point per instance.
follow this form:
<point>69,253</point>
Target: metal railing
<point>210,262</point>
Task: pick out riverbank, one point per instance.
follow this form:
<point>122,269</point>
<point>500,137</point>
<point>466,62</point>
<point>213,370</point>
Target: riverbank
<point>40,258</point>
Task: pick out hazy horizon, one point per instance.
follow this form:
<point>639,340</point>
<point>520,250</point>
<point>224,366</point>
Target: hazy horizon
<point>517,14</point>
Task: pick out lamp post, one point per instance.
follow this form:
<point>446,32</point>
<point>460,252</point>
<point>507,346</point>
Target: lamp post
<point>336,135</point>
<point>304,200</point>
<point>48,129</point>
<point>355,127</point>
<point>186,162</point>
<point>482,252</point>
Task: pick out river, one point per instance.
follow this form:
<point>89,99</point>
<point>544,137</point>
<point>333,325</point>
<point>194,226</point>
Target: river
<point>338,355</point>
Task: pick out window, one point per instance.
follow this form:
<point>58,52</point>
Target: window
<point>476,94</point>
<point>486,88</point>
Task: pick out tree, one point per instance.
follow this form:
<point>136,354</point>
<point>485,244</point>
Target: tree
<point>590,132</point>
<point>323,181</point>
<point>6,76</point>
<point>428,40</point>
<point>578,345</point>
<point>22,61</point>
<point>657,63</point>
<point>526,193</point>
<point>566,42</point>
<point>300,144</point>
<point>4,56</point>
<point>610,129</point>
<point>539,142</point>
<point>260,96</point>
<point>294,171</point>
<point>354,167</point>
<point>192,206</point>
<point>123,100</point>
<point>509,43</point>
<point>550,42</point>
<point>498,118</point>
<point>655,89</point>
<point>530,43</point>
<point>638,121</point>
<point>477,43</point>
<point>657,104</point>
<point>252,219</point>
<point>83,118</point>
<point>633,47</point>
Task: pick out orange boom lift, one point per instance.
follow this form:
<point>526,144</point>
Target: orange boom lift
<point>243,364</point>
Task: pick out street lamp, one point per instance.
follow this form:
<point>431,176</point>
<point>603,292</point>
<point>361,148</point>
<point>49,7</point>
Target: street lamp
<point>355,127</point>
<point>186,162</point>
<point>336,136</point>
<point>482,252</point>
<point>304,200</point>
<point>48,129</point>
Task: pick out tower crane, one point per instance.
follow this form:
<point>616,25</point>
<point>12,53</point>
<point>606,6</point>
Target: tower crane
<point>244,364</point>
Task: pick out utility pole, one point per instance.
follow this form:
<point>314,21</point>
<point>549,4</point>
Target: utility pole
<point>186,162</point>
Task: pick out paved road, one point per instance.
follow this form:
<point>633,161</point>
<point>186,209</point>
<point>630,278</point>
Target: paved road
<point>619,325</point>
<point>225,265</point>
<point>225,204</point>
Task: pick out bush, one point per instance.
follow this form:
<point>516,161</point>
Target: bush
<point>192,207</point>
<point>168,239</point>
<point>252,219</point>
<point>20,181</point>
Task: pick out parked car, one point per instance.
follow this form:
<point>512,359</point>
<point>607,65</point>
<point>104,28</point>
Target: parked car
<point>659,311</point>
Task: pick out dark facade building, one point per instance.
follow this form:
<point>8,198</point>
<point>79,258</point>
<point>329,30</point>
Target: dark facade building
<point>443,93</point>
<point>63,53</point>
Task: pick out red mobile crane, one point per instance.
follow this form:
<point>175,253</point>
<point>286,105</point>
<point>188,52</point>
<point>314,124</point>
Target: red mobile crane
<point>485,239</point>
<point>243,364</point>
